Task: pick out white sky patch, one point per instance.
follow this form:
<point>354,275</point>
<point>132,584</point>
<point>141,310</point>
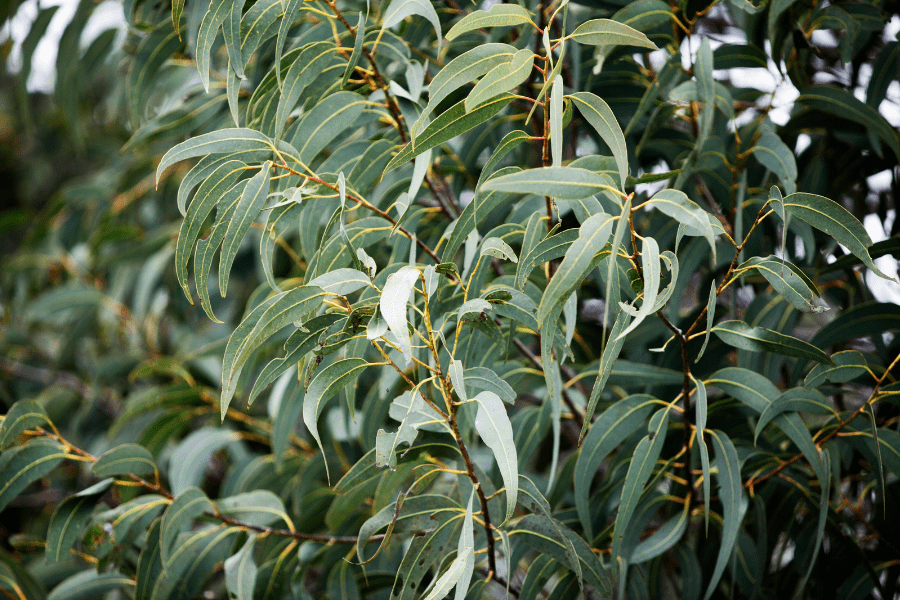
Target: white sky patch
<point>882,289</point>
<point>108,14</point>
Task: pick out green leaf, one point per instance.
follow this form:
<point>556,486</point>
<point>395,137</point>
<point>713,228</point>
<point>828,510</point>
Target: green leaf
<point>492,424</point>
<point>794,400</point>
<point>69,519</point>
<point>342,583</point>
<point>510,141</point>
<point>850,365</point>
<point>494,246</point>
<point>341,281</point>
<point>612,428</point>
<point>541,533</point>
<point>208,195</point>
<point>223,141</point>
<point>668,534</point>
<point>394,299</point>
<point>579,258</point>
<point>398,10</point>
<point>314,59</point>
<point>193,454</point>
<point>457,378</point>
<point>775,155</point>
<point>209,27</point>
<point>729,478</point>
<point>127,459</point>
<point>328,382</point>
<point>502,78</point>
<point>550,248</point>
<point>451,123</point>
<point>604,32</point>
<point>259,507</point>
<point>459,574</point>
<point>24,414</point>
<point>644,15</point>
<point>607,361</point>
<point>499,15</point>
<point>89,584</point>
<point>22,465</point>
<point>262,323</point>
<point>758,339</point>
<point>677,205</point>
<point>710,318</point>
<point>601,117</point>
<point>789,281</point>
<point>287,21</point>
<point>240,572</point>
<point>360,35</point>
<point>326,121</point>
<point>556,121</point>
<point>845,105</point>
<point>641,467</point>
<point>483,378</point>
<point>824,500</point>
<point>149,565</point>
<point>652,274</point>
<point>187,506</point>
<point>833,219</point>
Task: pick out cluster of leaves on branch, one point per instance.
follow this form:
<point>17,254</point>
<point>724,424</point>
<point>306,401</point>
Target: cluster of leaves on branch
<point>523,299</point>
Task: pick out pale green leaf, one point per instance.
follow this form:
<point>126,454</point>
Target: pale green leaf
<point>502,78</point>
<point>499,15</point>
<point>222,141</point>
<point>240,572</point>
<point>394,299</point>
<point>494,246</point>
<point>492,424</point>
<point>398,10</point>
<point>600,116</point>
<point>605,32</point>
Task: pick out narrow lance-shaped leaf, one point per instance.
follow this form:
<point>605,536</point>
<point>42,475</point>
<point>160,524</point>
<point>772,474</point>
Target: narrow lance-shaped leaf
<point>24,414</point>
<point>457,379</point>
<point>328,382</point>
<point>460,71</point>
<point>394,300</point>
<point>605,32</point>
<point>127,459</point>
<point>729,477</point>
<point>607,360</point>
<point>592,236</point>
<point>499,15</point>
<point>556,118</point>
<point>460,572</point>
<point>451,123</point>
<point>832,218</point>
<point>357,48</point>
<point>651,269</point>
<point>209,27</point>
<point>398,10</point>
<point>639,470</point>
<point>677,205</point>
<point>494,428</point>
<point>188,505</point>
<point>500,79</point>
<point>601,117</point>
<point>222,141</point>
<point>612,427</point>
<point>710,318</point>
<point>759,339</point>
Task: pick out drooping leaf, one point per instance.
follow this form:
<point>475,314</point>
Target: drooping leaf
<point>69,518</point>
<point>729,478</point>
<point>222,141</point>
<point>759,339</point>
<point>398,10</point>
<point>240,572</point>
<point>328,382</point>
<point>832,218</point>
<point>565,183</point>
<point>600,116</point>
<point>592,236</point>
<point>24,464</point>
<point>492,424</point>
<point>394,299</point>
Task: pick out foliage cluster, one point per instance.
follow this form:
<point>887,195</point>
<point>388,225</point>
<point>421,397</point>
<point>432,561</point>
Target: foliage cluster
<point>531,299</point>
